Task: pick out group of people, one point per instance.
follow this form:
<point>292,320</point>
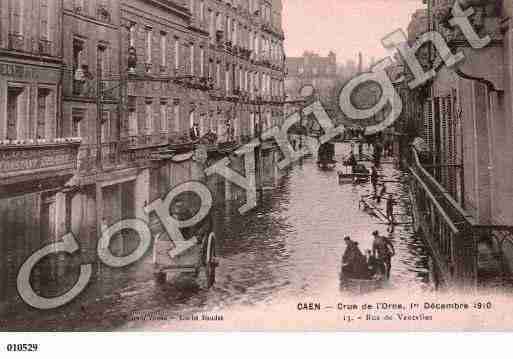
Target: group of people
<point>227,135</point>
<point>375,263</point>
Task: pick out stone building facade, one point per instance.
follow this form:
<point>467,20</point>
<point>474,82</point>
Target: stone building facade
<point>465,118</point>
<point>30,61</point>
<point>312,69</point>
<point>94,92</point>
<point>466,115</point>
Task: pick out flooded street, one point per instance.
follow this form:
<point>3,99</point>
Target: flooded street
<point>288,247</point>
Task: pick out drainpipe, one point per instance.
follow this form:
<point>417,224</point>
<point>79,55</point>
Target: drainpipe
<point>60,130</point>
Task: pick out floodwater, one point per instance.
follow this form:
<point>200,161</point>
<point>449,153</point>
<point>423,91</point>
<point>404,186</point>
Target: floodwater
<point>288,247</point>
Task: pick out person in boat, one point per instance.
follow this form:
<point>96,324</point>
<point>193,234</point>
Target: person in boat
<point>351,160</point>
<point>373,265</point>
<point>354,264</point>
<point>383,249</point>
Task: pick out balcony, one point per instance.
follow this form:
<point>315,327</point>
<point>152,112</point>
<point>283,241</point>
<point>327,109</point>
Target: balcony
<point>35,159</point>
<point>150,140</point>
<point>132,151</point>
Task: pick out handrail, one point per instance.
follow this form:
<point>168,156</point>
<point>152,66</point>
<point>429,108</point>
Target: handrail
<point>448,220</point>
<point>446,194</point>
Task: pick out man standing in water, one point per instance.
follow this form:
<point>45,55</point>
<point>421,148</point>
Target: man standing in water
<point>374,177</point>
<point>383,249</point>
<point>390,209</point>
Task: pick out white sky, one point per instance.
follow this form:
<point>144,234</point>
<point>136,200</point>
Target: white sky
<point>344,26</point>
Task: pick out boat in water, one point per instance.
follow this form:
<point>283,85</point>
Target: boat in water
<point>354,174</point>
<point>326,156</point>
<point>360,286</point>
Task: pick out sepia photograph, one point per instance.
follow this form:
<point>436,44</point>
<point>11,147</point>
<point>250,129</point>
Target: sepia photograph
<point>255,165</point>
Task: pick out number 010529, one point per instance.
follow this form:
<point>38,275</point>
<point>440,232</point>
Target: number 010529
<point>22,347</point>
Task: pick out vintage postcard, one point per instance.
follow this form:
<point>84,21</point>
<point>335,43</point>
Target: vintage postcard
<point>255,165</point>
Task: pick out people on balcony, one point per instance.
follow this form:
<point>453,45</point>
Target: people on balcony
<point>195,132</point>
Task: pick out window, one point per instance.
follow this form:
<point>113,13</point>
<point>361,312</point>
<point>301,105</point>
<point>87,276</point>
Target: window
<point>43,19</point>
<point>13,115</point>
<point>132,34</point>
<point>16,16</point>
<point>42,113</point>
<point>228,28</point>
<point>212,26</point>
<point>191,58</point>
<point>202,10</point>
<point>219,22</point>
<point>176,115</point>
<point>218,75</point>
<point>191,116</point>
<point>103,71</point>
<point>132,122</point>
<point>202,62</point>
<point>105,127</point>
<point>163,49</point>
<point>177,53</point>
<point>234,33</point>
<point>104,60</point>
<point>148,44</point>
<point>252,124</point>
<point>76,122</point>
<point>227,79</point>
<point>163,116</point>
<point>149,116</point>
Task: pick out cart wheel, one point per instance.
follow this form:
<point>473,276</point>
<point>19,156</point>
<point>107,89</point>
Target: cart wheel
<point>207,273</point>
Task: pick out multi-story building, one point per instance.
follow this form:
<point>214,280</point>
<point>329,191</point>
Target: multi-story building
<point>30,62</point>
<point>94,92</point>
<point>314,70</point>
<point>466,116</point>
<point>34,161</point>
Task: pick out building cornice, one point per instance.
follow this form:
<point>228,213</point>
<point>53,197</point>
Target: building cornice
<point>171,6</point>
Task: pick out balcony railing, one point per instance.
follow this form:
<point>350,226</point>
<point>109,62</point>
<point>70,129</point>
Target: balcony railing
<point>146,140</point>
<point>130,152</point>
<point>446,226</point>
<point>30,158</point>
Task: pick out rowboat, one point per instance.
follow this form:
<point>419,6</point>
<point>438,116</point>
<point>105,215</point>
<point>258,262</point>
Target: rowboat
<point>361,286</point>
